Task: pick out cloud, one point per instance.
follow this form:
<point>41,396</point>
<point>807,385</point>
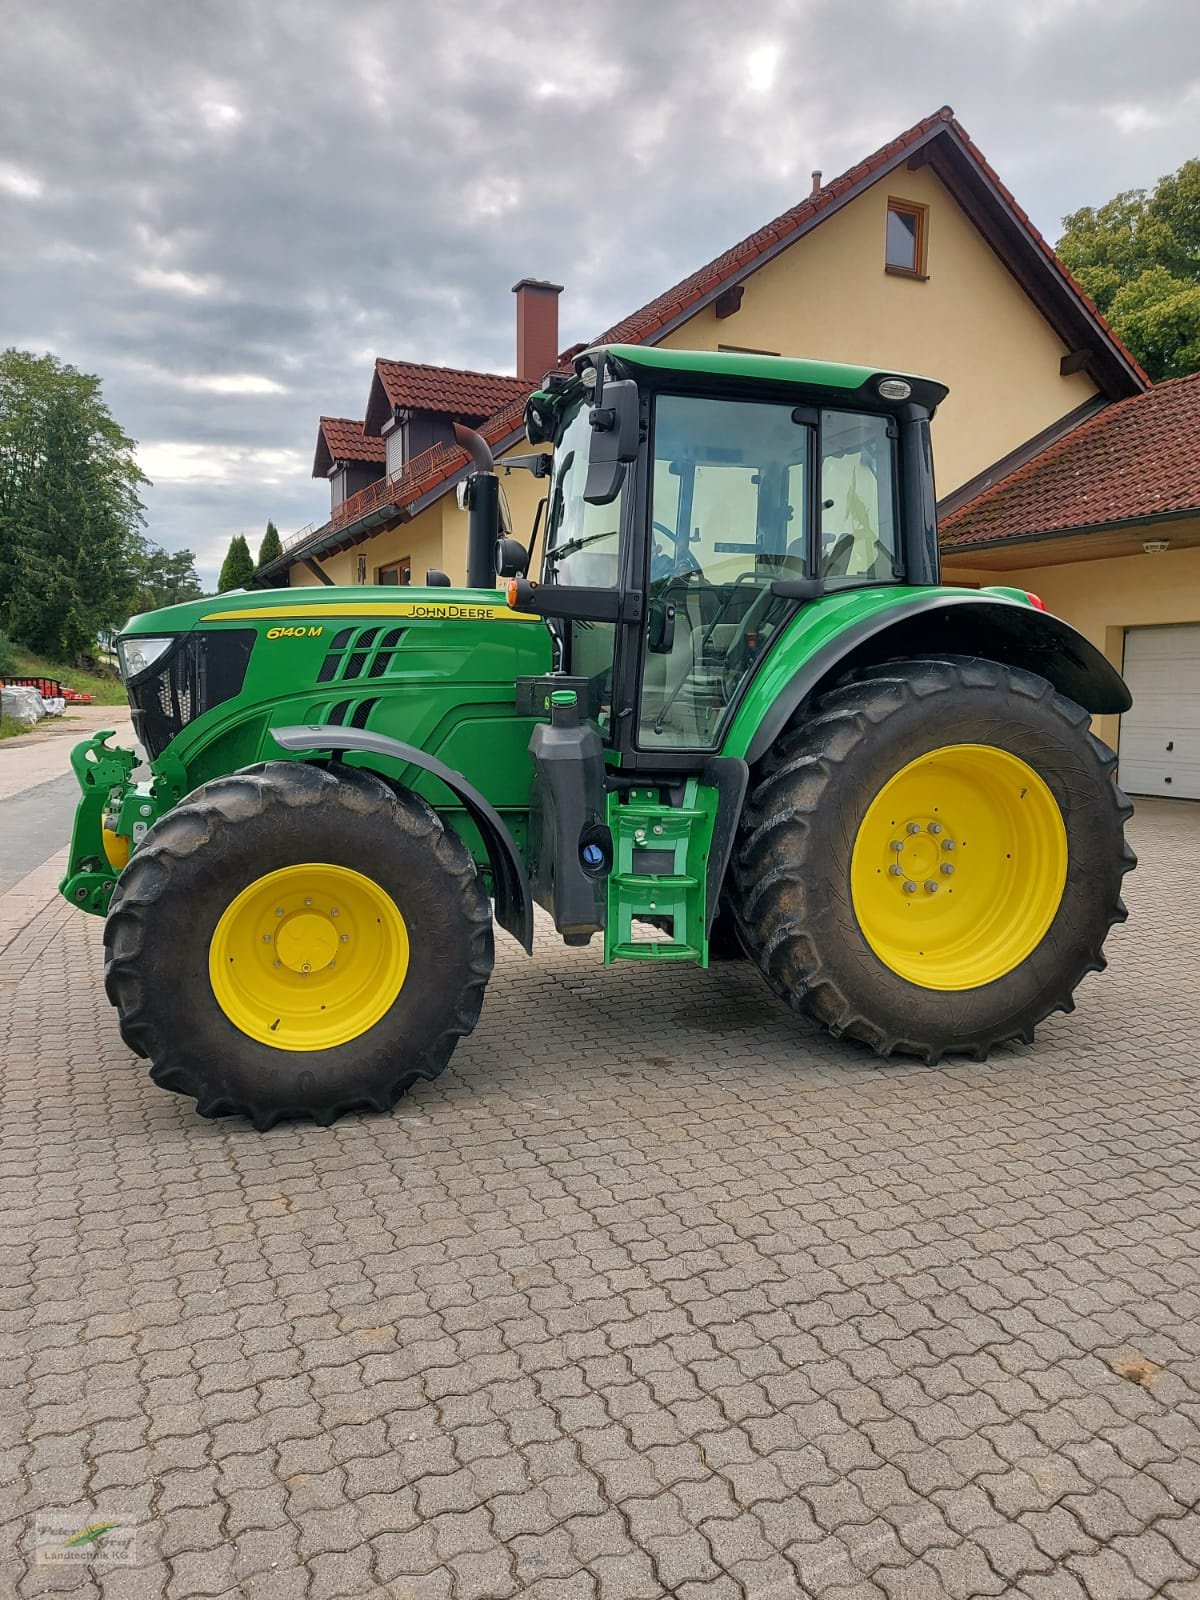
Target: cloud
<point>23,185</point>
<point>227,215</point>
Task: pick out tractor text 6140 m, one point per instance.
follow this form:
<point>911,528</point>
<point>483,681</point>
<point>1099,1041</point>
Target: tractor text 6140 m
<point>736,714</point>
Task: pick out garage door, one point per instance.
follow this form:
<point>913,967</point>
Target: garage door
<point>1160,736</point>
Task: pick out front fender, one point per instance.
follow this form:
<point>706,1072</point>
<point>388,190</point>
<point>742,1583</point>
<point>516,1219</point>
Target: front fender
<point>513,901</point>
<point>807,656</point>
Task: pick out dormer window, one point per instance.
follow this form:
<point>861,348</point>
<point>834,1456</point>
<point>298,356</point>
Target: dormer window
<point>904,251</point>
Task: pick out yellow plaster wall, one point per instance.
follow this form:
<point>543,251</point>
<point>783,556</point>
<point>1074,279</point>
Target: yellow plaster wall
<point>1103,598</point>
<point>969,324</point>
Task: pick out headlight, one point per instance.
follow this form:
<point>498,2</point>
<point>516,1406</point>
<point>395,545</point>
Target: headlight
<point>136,654</point>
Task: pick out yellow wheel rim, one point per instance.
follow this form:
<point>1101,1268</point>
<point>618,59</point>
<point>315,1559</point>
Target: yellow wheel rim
<point>959,867</point>
<point>308,957</point>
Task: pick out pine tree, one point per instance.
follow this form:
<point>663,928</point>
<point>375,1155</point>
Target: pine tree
<point>237,570</point>
<point>270,549</point>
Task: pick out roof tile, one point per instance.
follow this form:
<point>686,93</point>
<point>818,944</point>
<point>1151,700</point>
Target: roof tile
<point>1137,458</point>
<point>450,391</point>
<point>346,441</point>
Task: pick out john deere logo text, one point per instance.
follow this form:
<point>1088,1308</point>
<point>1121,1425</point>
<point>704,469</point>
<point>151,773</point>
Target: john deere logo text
<point>294,633</point>
<point>443,611</point>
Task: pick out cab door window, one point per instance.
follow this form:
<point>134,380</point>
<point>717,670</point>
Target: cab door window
<point>858,509</point>
<point>729,514</point>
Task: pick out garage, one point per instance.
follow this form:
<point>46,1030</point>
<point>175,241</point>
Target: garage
<point>1160,735</point>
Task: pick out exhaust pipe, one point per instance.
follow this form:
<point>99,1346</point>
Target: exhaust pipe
<point>483,509</point>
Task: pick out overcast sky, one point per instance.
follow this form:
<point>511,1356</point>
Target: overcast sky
<point>227,210</point>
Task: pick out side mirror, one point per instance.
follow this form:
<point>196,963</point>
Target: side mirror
<point>616,426</point>
<point>512,558</point>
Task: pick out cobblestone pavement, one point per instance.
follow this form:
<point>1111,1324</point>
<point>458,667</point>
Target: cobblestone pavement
<point>655,1292</point>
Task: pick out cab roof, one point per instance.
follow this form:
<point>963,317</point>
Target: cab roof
<point>747,365</point>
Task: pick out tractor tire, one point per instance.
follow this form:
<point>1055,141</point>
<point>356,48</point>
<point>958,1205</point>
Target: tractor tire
<point>296,941</point>
<point>930,861</point>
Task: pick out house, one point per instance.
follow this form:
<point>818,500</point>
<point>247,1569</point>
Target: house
<point>1104,525</point>
<point>919,259</point>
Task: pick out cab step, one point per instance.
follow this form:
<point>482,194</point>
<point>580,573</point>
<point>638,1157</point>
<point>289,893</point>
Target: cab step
<point>660,855</point>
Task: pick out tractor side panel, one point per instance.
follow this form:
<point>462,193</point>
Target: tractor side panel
<point>446,685</point>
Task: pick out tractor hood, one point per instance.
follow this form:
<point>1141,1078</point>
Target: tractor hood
<point>317,605</point>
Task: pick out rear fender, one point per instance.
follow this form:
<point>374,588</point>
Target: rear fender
<point>938,623</point>
<point>513,901</point>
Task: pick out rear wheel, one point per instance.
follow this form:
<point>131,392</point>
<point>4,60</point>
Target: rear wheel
<point>932,860</point>
<point>291,941</point>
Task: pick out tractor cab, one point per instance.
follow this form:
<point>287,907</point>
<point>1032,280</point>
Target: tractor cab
<point>695,504</point>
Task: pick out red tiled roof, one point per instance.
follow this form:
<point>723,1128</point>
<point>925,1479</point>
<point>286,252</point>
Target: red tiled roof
<point>450,391</point>
<point>402,380</point>
<point>343,439</point>
<point>1137,458</point>
<point>346,440</point>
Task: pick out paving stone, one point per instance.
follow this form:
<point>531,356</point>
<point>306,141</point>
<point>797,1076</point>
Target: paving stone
<point>579,1325</point>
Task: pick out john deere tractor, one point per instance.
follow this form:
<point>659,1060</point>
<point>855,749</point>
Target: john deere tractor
<point>735,714</point>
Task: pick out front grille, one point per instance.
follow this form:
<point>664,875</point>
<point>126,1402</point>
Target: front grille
<point>200,671</point>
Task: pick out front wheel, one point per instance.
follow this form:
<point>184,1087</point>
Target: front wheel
<point>296,942</point>
<point>932,860</point>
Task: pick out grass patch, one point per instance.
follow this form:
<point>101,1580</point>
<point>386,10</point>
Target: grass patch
<point>105,689</point>
<point>10,728</point>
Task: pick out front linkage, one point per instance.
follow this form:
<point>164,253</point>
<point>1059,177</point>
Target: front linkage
<point>113,817</point>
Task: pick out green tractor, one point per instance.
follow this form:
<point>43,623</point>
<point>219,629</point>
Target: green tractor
<point>736,715</point>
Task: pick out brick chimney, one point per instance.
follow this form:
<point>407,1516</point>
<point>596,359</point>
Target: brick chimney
<point>537,327</point>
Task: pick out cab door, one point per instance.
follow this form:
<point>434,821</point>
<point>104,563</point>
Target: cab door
<point>731,510</point>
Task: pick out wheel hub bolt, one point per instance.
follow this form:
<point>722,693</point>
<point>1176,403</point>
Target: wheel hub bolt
<point>910,887</point>
<point>897,845</point>
<point>345,938</point>
<point>334,912</point>
<point>266,938</point>
<point>277,962</point>
<point>308,902</point>
<point>914,827</point>
<point>931,886</point>
<point>896,870</point>
<point>947,870</point>
<point>278,911</point>
<point>935,827</point>
<point>947,844</point>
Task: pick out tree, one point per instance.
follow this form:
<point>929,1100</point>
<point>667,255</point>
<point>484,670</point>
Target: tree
<point>70,515</point>
<point>270,548</point>
<point>237,570</point>
<point>1139,259</point>
<point>167,578</point>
